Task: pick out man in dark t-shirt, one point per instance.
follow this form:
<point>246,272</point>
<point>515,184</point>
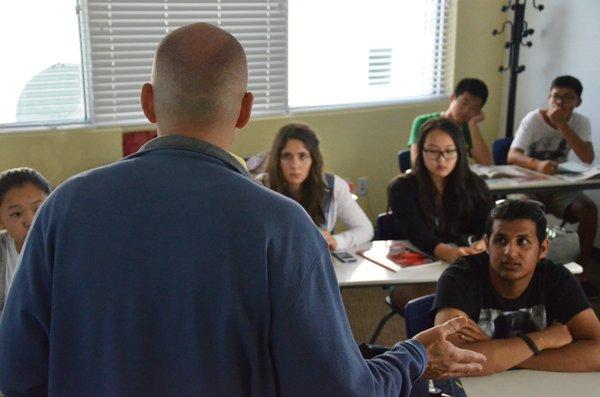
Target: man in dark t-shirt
<point>524,310</point>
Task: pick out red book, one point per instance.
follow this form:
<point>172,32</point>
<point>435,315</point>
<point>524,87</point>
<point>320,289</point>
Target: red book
<point>395,255</point>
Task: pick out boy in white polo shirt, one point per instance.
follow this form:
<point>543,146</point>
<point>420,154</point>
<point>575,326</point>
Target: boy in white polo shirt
<point>543,140</point>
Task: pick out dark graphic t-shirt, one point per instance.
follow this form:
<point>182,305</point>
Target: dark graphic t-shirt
<point>552,295</point>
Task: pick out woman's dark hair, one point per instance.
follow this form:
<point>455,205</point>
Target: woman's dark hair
<point>17,177</point>
<point>463,189</point>
<point>512,210</point>
<point>313,189</point>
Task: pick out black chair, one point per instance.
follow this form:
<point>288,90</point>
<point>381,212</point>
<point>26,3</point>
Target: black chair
<point>416,315</point>
<point>393,310</point>
<point>404,160</point>
<point>417,319</point>
<point>500,148</point>
<point>386,228</point>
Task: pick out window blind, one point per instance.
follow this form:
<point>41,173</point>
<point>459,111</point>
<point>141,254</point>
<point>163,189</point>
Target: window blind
<point>398,53</point>
<point>122,37</point>
<point>438,21</point>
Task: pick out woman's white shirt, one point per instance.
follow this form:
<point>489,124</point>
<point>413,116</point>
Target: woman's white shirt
<point>9,258</point>
<point>344,207</point>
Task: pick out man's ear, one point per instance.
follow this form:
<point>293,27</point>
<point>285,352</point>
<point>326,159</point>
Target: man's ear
<point>245,110</point>
<point>452,97</point>
<point>544,246</point>
<point>579,101</point>
<point>147,100</point>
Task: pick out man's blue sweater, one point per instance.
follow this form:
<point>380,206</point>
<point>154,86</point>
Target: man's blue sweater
<point>171,273</point>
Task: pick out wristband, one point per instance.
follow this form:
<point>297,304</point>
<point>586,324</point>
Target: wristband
<point>530,343</point>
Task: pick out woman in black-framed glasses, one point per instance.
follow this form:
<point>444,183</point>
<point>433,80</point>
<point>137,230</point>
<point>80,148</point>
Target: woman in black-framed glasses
<point>441,204</point>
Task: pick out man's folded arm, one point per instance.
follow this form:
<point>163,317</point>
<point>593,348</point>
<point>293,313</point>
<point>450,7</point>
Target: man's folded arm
<point>582,355</point>
<point>502,354</point>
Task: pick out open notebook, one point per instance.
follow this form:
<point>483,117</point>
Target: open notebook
<point>395,255</point>
<point>576,171</point>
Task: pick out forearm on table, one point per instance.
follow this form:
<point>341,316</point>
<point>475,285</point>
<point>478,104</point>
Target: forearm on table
<point>446,252</point>
<point>502,354</point>
<point>356,236</point>
<point>517,157</point>
<point>579,356</point>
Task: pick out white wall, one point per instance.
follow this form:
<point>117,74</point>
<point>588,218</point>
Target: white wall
<point>566,41</point>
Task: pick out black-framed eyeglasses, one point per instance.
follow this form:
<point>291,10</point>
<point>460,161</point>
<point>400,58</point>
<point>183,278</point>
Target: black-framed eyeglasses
<point>504,202</point>
<point>435,154</point>
<point>563,98</point>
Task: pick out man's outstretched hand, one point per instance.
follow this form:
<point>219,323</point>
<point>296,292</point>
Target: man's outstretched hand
<point>445,360</point>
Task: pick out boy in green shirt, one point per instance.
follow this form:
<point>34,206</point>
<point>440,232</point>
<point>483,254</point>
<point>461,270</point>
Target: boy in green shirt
<point>467,100</point>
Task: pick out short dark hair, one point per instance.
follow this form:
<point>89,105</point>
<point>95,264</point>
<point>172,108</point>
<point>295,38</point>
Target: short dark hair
<point>17,177</point>
<point>512,210</point>
<point>567,81</point>
<point>474,87</point>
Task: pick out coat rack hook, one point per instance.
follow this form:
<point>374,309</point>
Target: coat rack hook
<point>506,6</point>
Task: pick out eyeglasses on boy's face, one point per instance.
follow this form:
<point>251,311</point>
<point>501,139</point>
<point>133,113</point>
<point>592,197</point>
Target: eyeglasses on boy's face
<point>565,98</point>
<point>435,154</point>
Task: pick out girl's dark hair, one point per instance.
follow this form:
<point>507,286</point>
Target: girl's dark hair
<point>17,177</point>
<point>462,191</point>
<point>313,189</point>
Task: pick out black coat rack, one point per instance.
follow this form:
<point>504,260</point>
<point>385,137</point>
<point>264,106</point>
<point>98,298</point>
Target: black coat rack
<point>520,31</point>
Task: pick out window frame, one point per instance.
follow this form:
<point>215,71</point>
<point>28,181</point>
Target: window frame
<point>443,66</point>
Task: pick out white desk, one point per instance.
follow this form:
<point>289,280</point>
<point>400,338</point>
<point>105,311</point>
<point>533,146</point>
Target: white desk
<point>364,273</point>
<point>528,383</point>
<point>533,181</point>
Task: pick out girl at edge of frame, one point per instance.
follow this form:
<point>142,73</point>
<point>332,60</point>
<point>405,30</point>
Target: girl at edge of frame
<point>441,206</point>
<point>295,169</point>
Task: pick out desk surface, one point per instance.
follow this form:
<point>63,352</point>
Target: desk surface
<point>364,273</point>
<point>527,383</point>
<point>534,181</point>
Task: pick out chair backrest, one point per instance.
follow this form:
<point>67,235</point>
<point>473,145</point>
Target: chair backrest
<point>500,149</point>
<point>416,315</point>
<point>404,160</point>
<point>386,227</point>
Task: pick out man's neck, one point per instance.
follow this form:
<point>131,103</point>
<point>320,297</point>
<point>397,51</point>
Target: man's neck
<point>509,289</point>
<point>222,140</point>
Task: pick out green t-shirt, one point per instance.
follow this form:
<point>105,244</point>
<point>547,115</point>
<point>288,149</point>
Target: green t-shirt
<point>422,119</point>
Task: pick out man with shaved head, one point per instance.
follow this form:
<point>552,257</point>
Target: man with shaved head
<point>171,273</point>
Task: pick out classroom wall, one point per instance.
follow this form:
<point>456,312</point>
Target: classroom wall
<point>565,42</point>
<point>356,142</point>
